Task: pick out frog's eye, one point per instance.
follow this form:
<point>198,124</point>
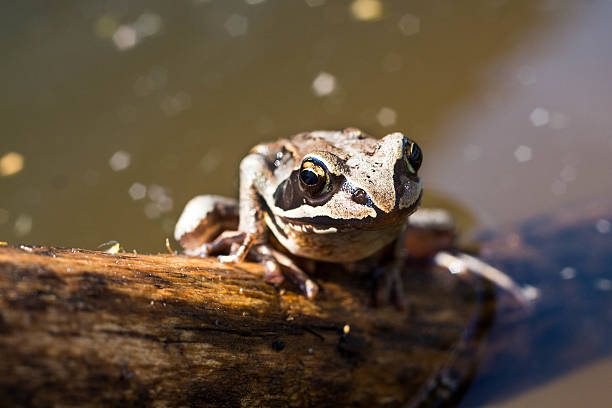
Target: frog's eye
<point>413,156</point>
<point>313,176</point>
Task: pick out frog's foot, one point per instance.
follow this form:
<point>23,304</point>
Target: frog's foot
<point>389,288</point>
<point>277,266</point>
<point>230,246</point>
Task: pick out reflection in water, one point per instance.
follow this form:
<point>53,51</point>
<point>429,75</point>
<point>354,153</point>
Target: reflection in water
<point>116,113</point>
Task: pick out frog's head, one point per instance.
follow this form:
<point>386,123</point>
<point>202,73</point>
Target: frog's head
<point>351,183</point>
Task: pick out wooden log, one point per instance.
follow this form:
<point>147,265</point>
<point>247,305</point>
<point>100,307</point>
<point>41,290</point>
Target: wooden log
<point>79,327</point>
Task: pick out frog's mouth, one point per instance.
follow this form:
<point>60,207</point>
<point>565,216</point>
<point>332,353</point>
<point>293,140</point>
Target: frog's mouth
<point>323,225</point>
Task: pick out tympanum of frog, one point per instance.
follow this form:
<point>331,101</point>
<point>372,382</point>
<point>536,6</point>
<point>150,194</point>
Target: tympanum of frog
<point>333,196</point>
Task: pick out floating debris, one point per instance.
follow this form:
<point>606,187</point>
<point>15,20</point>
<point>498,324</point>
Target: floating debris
<point>127,36</point>
<point>539,117</point>
<point>409,24</point>
<point>11,163</point>
<point>568,273</point>
<point>236,25</point>
<point>366,10</point>
<point>137,191</point>
<point>603,226</point>
<point>386,116</point>
<point>120,160</point>
<point>324,84</point>
<point>603,284</point>
<point>523,154</point>
<point>23,225</point>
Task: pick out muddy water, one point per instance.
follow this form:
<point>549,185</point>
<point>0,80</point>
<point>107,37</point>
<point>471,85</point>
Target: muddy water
<point>115,113</point>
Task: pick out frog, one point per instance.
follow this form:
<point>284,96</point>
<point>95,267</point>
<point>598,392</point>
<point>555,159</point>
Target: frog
<point>334,196</point>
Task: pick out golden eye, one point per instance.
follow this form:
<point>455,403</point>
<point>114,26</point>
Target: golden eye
<point>313,176</point>
<point>413,156</point>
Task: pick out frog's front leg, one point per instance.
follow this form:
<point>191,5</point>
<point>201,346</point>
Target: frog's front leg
<point>250,239</point>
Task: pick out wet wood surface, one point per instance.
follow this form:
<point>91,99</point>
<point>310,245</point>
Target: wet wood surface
<point>84,328</point>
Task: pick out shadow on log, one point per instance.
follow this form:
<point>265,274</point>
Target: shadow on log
<point>80,327</point>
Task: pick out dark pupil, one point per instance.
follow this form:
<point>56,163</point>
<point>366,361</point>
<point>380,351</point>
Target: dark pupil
<point>309,177</point>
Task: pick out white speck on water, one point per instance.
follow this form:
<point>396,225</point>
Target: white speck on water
<point>603,284</point>
<point>526,75</point>
<point>236,25</point>
<point>603,226</point>
<point>152,211</point>
<point>254,2</point>
<point>523,154</point>
<point>23,225</point>
<point>568,174</point>
<point>366,10</point>
<point>568,273</point>
<point>386,116</point>
<point>156,192</point>
<point>11,163</point>
<point>315,3</point>
<point>324,84</point>
<point>558,187</point>
<point>125,37</point>
<point>137,191</point>
<point>120,160</point>
<point>539,117</point>
<point>531,293</point>
<point>147,25</point>
<point>558,120</point>
<point>472,152</point>
<point>409,24</point>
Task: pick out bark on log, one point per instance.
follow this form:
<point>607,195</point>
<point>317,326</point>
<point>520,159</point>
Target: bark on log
<point>80,327</point>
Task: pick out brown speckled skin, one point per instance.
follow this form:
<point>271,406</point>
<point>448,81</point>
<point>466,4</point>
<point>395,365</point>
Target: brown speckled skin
<point>371,191</point>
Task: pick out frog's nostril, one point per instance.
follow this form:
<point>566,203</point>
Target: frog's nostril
<point>360,197</point>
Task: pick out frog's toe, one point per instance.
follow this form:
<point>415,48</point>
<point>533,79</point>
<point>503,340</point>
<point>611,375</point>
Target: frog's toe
<point>277,266</point>
<point>389,289</point>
